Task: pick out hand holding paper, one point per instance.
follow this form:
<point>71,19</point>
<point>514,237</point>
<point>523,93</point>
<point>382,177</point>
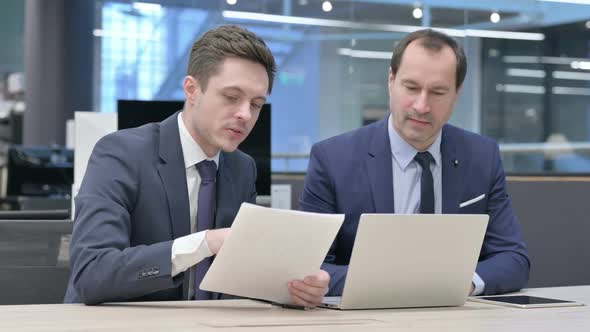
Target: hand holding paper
<point>310,291</point>
<point>216,237</point>
<point>268,249</point>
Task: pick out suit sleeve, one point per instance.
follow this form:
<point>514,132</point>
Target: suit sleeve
<point>104,266</point>
<point>504,264</point>
<point>319,196</point>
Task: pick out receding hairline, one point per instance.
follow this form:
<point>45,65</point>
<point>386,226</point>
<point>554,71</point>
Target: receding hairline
<point>431,49</point>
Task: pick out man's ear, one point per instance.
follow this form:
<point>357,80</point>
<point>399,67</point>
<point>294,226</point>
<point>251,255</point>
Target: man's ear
<point>390,79</point>
<point>191,88</point>
<point>458,92</point>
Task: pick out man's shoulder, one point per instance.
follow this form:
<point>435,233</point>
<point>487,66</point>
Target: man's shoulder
<point>131,141</point>
<point>238,158</point>
<point>466,137</point>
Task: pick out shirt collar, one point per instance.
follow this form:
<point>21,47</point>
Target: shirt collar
<point>404,153</point>
<point>191,151</point>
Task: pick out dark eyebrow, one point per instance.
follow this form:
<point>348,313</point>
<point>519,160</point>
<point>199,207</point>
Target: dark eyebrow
<point>441,87</point>
<point>240,91</point>
<point>409,81</point>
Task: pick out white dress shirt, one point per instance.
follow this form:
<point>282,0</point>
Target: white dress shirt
<point>190,249</point>
<point>406,180</point>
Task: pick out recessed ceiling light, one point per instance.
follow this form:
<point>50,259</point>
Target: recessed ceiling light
<point>495,17</point>
<point>417,13</point>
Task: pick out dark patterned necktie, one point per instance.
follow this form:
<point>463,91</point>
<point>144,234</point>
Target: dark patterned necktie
<point>426,182</point>
<point>205,218</point>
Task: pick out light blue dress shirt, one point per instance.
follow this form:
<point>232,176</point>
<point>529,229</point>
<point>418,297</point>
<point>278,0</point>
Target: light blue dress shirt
<point>406,180</point>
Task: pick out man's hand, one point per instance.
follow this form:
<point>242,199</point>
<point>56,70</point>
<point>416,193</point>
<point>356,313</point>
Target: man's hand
<point>216,237</point>
<point>310,291</point>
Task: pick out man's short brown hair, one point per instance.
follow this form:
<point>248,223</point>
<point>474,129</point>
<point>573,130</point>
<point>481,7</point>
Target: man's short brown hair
<point>209,51</point>
<point>435,41</point>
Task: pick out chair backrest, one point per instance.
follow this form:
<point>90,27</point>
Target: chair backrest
<point>34,260</point>
<point>555,227</point>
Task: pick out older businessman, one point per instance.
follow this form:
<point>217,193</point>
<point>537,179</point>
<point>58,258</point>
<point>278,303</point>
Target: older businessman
<point>412,161</point>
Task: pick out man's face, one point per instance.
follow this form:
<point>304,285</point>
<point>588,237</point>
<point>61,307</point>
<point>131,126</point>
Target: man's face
<point>422,94</point>
<point>222,116</point>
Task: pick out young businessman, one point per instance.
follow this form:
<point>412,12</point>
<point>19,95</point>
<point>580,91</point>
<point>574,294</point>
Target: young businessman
<point>156,201</point>
<point>414,162</point>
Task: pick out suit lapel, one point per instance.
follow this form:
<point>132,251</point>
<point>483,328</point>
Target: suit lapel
<point>173,175</point>
<point>379,169</point>
<point>453,166</point>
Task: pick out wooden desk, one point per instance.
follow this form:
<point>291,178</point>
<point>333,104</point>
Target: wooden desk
<point>245,315</point>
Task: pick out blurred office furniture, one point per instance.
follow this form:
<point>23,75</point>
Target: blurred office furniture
<point>89,127</point>
<point>134,113</point>
<point>295,183</point>
<point>11,127</point>
<point>34,258</point>
<point>37,178</point>
<point>554,216</point>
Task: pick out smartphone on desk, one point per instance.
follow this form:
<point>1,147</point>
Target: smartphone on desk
<point>524,301</point>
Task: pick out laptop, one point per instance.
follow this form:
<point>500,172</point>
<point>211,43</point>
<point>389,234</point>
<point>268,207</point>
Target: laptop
<point>412,260</point>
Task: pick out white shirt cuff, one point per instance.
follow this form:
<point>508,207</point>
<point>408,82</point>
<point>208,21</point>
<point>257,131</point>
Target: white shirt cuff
<point>188,251</point>
<point>479,284</point>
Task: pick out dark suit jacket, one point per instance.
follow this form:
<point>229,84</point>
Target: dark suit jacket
<point>352,174</point>
<point>132,204</point>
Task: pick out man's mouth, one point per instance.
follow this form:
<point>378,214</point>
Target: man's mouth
<point>419,121</point>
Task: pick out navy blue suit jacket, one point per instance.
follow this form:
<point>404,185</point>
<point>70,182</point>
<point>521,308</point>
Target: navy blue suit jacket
<point>352,174</point>
<point>132,204</point>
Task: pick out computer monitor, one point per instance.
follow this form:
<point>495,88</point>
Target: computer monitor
<point>134,113</point>
<point>43,171</point>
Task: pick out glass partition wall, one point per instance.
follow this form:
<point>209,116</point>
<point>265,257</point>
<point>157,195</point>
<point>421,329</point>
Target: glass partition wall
<point>526,86</point>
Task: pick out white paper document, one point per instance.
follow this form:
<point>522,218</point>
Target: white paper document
<point>268,248</point>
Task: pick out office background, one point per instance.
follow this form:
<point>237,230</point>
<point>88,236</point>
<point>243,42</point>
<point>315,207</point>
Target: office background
<point>527,86</point>
<point>530,95</point>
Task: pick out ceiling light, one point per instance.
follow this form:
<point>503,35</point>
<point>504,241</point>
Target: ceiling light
<point>553,60</point>
<point>327,6</point>
<point>119,34</point>
<point>585,65</point>
<point>147,7</point>
<point>495,17</point>
<point>570,75</point>
<point>250,16</point>
<point>521,88</point>
<point>417,13</point>
<point>231,2</point>
<point>566,90</point>
<point>365,54</point>
<point>578,2</point>
<point>525,72</point>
